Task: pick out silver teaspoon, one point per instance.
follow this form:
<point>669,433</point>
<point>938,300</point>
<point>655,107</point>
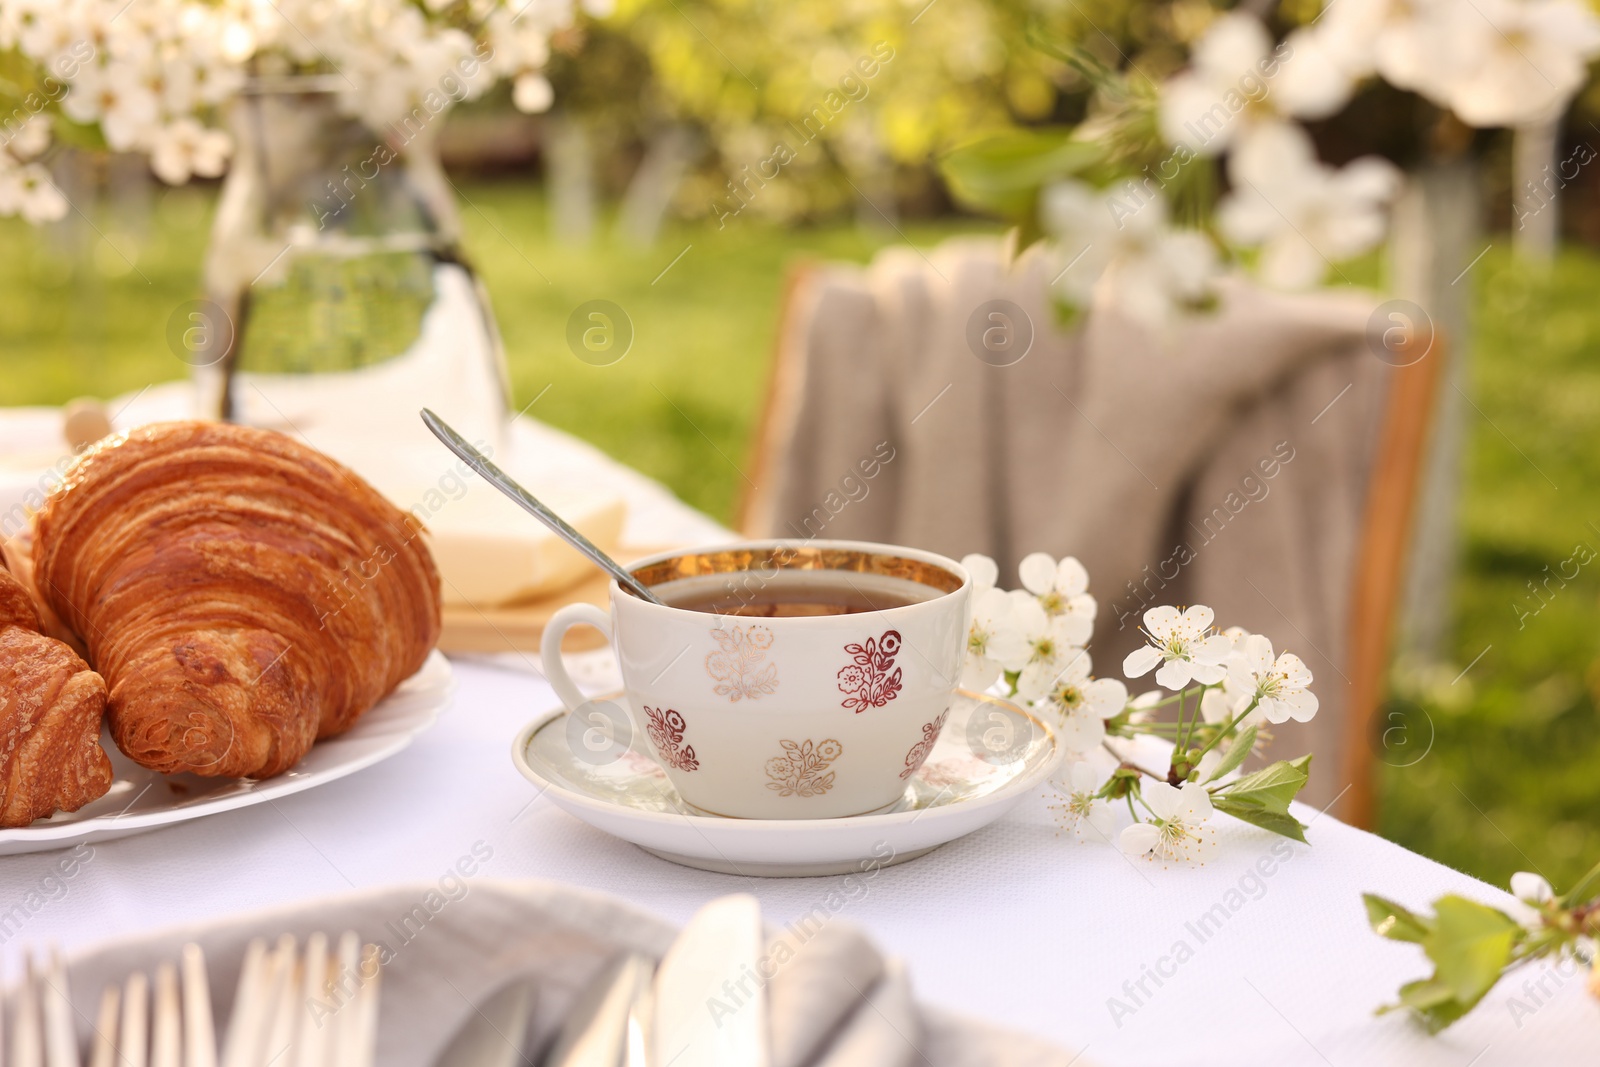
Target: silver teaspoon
<point>531,504</point>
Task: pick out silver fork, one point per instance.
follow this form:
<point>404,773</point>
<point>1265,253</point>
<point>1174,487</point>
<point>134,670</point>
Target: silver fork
<point>319,1009</point>
<point>276,1016</point>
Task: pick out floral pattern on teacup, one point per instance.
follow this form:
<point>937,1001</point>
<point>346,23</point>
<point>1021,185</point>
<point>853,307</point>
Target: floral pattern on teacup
<point>919,751</point>
<point>867,677</point>
<point>666,733</point>
<point>798,772</point>
<point>736,668</point>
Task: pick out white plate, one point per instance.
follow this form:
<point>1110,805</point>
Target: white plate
<point>990,754</point>
<point>140,799</point>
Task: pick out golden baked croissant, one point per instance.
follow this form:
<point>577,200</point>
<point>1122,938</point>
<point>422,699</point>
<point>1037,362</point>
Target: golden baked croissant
<point>16,605</point>
<point>242,593</point>
<point>51,705</point>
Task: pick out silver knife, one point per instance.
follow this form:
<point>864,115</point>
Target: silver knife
<point>609,1026</point>
<point>710,1008</point>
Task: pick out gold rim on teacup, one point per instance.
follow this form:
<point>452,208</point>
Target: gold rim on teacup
<point>778,557</point>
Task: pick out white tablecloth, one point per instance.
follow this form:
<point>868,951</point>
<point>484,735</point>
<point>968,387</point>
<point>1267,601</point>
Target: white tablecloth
<point>1260,956</point>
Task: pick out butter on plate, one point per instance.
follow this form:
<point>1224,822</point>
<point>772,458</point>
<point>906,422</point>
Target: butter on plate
<point>490,552</point>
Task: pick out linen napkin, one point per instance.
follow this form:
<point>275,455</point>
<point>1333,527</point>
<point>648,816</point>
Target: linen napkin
<point>834,1001</point>
<point>1222,459</point>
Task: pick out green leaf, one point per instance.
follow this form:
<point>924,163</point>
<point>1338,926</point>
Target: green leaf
<point>1390,920</point>
<point>1278,822</point>
<point>1242,746</point>
<point>1470,944</point>
<point>1004,173</point>
<point>1433,1002</point>
<point>1272,787</point>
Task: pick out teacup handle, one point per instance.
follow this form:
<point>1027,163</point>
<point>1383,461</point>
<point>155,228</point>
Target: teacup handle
<point>555,671</point>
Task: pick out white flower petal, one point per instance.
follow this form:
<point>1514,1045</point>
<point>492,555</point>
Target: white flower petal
<point>1198,618</point>
<point>1531,888</point>
<point>1072,578</point>
<point>1160,620</point>
<point>1194,802</point>
<point>1076,671</point>
<point>1028,614</point>
<point>1215,706</point>
<point>1102,819</point>
<point>1084,605</point>
<point>993,606</point>
<point>1138,839</point>
<point>979,673</point>
<point>1141,661</point>
<point>1295,672</point>
<point>1163,800</point>
<point>1082,731</point>
<point>1175,674</point>
<point>984,571</point>
<point>1105,697</point>
<point>1009,648</point>
<point>1301,705</point>
<point>1255,654</point>
<point>1073,629</point>
<point>1038,573</point>
<point>1037,679</point>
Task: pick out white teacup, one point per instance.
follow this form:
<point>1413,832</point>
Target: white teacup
<point>797,716</point>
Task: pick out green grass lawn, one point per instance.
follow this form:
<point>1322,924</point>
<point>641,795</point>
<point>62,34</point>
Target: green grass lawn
<point>1512,780</point>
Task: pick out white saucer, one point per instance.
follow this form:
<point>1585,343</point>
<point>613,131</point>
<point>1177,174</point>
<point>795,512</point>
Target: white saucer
<point>990,754</point>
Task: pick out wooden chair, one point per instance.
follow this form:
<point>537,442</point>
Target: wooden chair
<point>862,311</point>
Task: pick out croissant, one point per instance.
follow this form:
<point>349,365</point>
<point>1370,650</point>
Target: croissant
<point>16,605</point>
<point>51,705</point>
<point>243,594</point>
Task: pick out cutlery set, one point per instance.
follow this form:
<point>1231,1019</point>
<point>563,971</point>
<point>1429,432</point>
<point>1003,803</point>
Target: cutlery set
<point>636,1014</point>
<point>317,1006</point>
<point>316,1009</point>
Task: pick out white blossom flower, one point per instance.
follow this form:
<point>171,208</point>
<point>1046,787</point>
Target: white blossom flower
<point>1304,214</point>
<point>994,643</point>
<point>1492,62</point>
<point>1119,241</point>
<point>1062,589</point>
<point>1084,703</point>
<point>116,97</point>
<point>1182,645</point>
<point>1316,80</point>
<point>185,148</point>
<point>1278,686</point>
<point>1049,642</point>
<point>1081,810</point>
<point>1176,830</point>
<point>152,76</point>
<point>30,138</point>
<point>1203,106</point>
<point>1236,80</point>
<point>1529,57</point>
<point>28,191</point>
